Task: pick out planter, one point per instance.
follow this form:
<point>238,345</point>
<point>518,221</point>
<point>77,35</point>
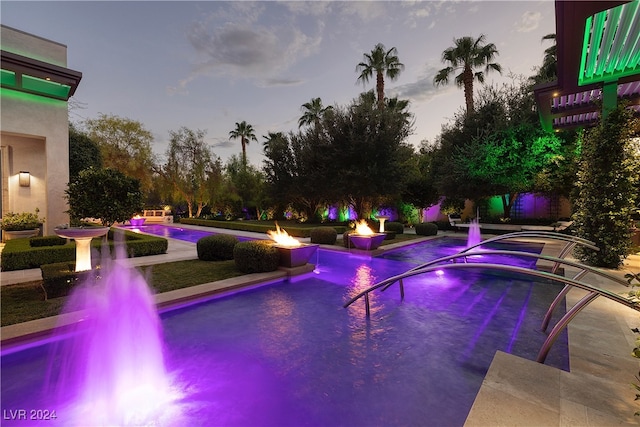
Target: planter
<point>19,234</point>
<point>367,243</point>
<point>295,256</point>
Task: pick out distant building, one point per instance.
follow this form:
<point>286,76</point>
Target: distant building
<point>34,128</point>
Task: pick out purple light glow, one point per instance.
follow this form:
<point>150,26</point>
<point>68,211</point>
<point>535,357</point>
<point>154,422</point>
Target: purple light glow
<point>111,371</point>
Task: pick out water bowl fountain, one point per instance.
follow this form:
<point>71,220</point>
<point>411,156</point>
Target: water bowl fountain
<point>83,237</point>
<point>137,221</point>
<point>364,238</point>
<point>293,253</point>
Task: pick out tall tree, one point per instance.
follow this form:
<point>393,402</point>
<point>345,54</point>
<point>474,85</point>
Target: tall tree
<point>83,152</point>
<point>188,168</point>
<point>548,71</point>
<point>125,146</point>
<point>466,55</point>
<point>380,62</point>
<point>312,112</point>
<point>245,132</point>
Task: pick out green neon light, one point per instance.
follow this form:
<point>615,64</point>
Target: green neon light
<point>608,39</point>
<point>609,45</point>
<point>28,97</point>
<point>45,87</point>
<point>8,78</point>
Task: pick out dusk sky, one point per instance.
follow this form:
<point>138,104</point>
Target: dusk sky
<point>206,65</point>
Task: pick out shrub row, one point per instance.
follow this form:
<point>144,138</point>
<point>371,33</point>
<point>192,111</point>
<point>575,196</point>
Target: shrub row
<point>396,227</point>
<point>20,254</point>
<point>218,247</point>
<point>257,228</point>
<point>256,256</point>
<point>324,235</point>
<point>59,278</point>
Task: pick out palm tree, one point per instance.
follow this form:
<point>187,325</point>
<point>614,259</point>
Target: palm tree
<point>245,132</point>
<point>548,71</point>
<point>313,112</point>
<point>466,55</point>
<point>380,62</point>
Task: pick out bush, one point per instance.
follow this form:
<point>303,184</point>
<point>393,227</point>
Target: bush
<point>256,256</point>
<point>397,227</point>
<point>257,226</point>
<point>426,229</point>
<point>324,235</point>
<point>60,278</point>
<point>218,247</point>
<point>38,242</point>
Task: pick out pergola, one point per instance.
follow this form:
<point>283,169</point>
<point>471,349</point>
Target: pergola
<point>598,59</point>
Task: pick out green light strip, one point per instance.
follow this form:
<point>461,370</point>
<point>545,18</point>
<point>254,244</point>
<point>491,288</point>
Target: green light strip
<point>28,97</point>
<point>45,87</point>
<point>8,78</point>
<point>585,48</point>
<point>594,46</point>
<point>613,25</point>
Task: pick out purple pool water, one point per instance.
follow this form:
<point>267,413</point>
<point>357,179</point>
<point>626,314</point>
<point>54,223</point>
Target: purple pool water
<point>288,354</point>
<point>175,232</point>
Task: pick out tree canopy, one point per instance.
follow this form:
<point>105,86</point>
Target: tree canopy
<point>466,55</point>
<point>381,63</point>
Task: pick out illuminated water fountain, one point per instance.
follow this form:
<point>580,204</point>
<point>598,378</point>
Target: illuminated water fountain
<point>83,237</point>
<point>111,371</point>
<point>364,238</point>
<point>474,233</point>
<point>293,253</point>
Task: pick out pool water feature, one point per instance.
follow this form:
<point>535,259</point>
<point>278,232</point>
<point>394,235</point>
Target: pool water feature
<point>288,354</point>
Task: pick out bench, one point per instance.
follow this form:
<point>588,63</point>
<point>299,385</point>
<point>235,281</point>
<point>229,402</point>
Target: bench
<point>157,215</point>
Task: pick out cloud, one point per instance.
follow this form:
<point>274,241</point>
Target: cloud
<point>283,81</point>
<point>528,22</point>
<point>422,89</point>
<point>241,48</point>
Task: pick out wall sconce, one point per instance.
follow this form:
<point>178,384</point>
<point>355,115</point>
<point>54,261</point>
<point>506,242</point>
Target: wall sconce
<point>24,178</point>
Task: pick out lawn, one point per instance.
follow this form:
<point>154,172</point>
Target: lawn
<point>26,301</point>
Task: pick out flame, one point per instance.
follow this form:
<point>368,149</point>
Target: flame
<point>282,238</point>
<point>137,216</point>
<point>363,229</point>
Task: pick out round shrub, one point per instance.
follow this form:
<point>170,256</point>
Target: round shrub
<point>218,247</point>
<point>426,229</point>
<point>256,256</point>
<point>397,227</point>
<point>324,235</point>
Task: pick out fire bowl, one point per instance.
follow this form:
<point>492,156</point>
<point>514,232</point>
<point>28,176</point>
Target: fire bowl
<point>367,243</point>
<point>137,222</point>
<point>296,256</point>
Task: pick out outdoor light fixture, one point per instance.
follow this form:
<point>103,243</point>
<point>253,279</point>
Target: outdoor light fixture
<point>24,178</point>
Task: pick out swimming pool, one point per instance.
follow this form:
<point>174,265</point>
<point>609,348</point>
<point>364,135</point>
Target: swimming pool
<point>289,354</point>
<point>174,232</point>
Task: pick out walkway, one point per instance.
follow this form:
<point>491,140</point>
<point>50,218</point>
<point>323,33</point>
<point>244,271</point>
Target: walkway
<point>515,391</point>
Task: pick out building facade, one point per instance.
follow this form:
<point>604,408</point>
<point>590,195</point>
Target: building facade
<point>34,127</point>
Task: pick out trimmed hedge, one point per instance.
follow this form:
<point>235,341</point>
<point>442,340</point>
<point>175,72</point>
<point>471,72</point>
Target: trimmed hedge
<point>390,235</point>
<point>18,254</point>
<point>345,238</point>
<point>256,256</point>
<point>37,242</point>
<point>263,227</point>
<point>324,235</point>
<point>426,229</point>
<point>218,247</point>
<point>398,227</point>
<point>60,278</point>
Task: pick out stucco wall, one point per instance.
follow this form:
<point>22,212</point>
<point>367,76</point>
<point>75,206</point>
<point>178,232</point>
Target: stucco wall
<point>34,135</point>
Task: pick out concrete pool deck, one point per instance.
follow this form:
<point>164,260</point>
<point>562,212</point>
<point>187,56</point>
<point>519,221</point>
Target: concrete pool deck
<point>515,392</point>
